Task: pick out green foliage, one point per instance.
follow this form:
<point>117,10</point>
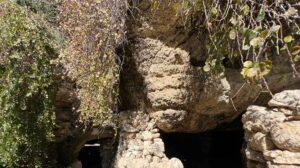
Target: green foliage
<point>45,8</point>
<point>256,70</point>
<point>252,30</point>
<point>94,29</point>
<point>26,88</point>
<point>247,29</point>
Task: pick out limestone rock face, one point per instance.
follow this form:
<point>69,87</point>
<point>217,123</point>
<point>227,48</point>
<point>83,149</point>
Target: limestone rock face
<point>140,145</point>
<point>272,134</point>
<point>163,75</point>
<point>163,87</point>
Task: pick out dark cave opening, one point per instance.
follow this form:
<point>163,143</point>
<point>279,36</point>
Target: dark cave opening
<point>213,149</point>
<point>90,155</point>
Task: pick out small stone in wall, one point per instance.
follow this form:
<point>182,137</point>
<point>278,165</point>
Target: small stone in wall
<point>288,99</point>
<point>254,155</point>
<point>260,142</point>
<point>147,136</point>
<point>283,157</point>
<point>176,163</point>
<point>286,136</point>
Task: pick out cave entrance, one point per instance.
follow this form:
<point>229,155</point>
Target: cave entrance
<point>213,149</point>
<point>89,155</point>
<point>97,153</point>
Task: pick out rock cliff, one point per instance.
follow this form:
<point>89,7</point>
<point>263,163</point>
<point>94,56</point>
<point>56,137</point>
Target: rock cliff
<point>161,78</point>
<point>164,89</point>
<point>121,75</point>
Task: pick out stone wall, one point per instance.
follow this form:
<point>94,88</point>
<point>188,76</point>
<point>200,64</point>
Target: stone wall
<point>273,134</point>
<point>140,144</point>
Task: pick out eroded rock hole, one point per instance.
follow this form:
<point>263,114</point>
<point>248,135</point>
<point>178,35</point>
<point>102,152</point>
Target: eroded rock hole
<point>196,62</point>
<point>90,155</point>
<point>213,149</point>
<point>233,63</point>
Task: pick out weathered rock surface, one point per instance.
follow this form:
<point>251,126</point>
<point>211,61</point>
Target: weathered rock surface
<point>261,119</point>
<point>71,133</point>
<point>164,87</point>
<point>165,81</point>
<point>260,142</point>
<point>288,98</point>
<point>283,157</point>
<point>140,145</point>
<point>273,135</point>
<point>286,136</point>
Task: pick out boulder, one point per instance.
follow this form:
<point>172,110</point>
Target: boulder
<point>261,119</point>
<point>288,98</point>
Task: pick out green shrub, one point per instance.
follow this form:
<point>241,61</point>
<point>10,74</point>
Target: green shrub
<point>45,8</point>
<point>26,88</point>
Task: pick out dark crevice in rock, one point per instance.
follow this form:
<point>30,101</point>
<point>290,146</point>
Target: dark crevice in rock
<point>90,155</point>
<point>196,62</point>
<point>235,125</point>
<point>131,87</point>
<point>233,63</point>
<point>214,149</point>
<point>97,153</point>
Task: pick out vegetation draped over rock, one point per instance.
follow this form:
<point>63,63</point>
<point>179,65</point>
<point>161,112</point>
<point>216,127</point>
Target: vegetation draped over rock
<point>94,29</point>
<point>29,51</point>
<point>251,30</point>
<point>45,8</point>
<point>26,88</point>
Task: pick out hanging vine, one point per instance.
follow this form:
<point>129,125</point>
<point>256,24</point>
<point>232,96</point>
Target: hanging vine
<point>93,29</point>
<point>251,30</point>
